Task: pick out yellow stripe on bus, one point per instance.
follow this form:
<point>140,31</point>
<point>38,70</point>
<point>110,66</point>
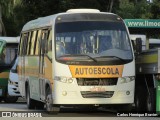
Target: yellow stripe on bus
<point>4,75</point>
<point>148,58</point>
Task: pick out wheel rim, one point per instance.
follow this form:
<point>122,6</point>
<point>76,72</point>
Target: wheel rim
<point>28,98</point>
<point>149,105</point>
<point>49,103</point>
<point>137,103</point>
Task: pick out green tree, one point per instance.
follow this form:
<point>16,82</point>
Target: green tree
<point>155,9</point>
<point>31,9</point>
<point>126,9</point>
<point>134,9</point>
<point>17,12</point>
<point>5,9</point>
<point>143,10</point>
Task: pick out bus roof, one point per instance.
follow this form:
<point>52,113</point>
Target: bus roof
<point>49,20</point>
<point>83,11</point>
<point>11,39</point>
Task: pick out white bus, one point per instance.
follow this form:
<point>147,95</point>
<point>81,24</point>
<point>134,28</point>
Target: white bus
<point>153,42</point>
<point>13,89</point>
<point>79,57</point>
<point>8,57</point>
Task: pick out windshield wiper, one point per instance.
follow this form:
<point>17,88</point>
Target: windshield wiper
<point>111,57</point>
<point>89,57</point>
<point>73,55</point>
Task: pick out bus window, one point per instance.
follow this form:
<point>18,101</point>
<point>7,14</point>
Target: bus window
<point>45,39</point>
<point>33,38</point>
<point>49,45</point>
<point>90,38</point>
<point>42,50</point>
<point>28,42</point>
<point>23,37</point>
<point>37,42</point>
<point>10,53</point>
<point>23,44</point>
<point>42,41</point>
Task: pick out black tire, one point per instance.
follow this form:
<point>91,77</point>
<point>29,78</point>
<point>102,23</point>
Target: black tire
<point>151,100</point>
<point>87,108</point>
<point>39,105</point>
<point>30,102</point>
<point>140,100</point>
<point>1,99</point>
<point>126,108</point>
<point>10,99</point>
<point>49,104</point>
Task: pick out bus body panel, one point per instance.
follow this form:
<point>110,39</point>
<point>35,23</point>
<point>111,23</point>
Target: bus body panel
<point>69,93</point>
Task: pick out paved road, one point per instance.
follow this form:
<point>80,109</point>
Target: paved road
<point>68,113</point>
<point>65,112</point>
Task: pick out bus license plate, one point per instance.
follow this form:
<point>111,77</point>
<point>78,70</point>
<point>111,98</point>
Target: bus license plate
<point>97,89</point>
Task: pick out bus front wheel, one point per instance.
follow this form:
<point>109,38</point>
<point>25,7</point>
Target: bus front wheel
<point>49,103</point>
<point>30,102</point>
<point>10,99</point>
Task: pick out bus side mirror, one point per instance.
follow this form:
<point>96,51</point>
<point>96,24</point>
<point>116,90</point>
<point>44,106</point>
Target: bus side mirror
<point>138,46</point>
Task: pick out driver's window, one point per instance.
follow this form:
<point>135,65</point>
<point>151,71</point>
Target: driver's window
<point>49,44</point>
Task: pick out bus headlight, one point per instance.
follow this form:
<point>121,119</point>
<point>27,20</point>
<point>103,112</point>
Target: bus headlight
<point>70,80</point>
<point>126,79</point>
<point>12,83</point>
<point>63,79</point>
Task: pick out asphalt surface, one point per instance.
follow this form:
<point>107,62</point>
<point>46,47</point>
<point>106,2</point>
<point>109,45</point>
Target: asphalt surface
<point>19,109</point>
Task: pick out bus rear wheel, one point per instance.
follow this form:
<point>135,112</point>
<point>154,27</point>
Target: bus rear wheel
<point>49,103</point>
<point>39,105</point>
<point>1,99</point>
<point>11,99</point>
<point>151,101</point>
<point>140,100</point>
<point>30,102</point>
<point>125,108</point>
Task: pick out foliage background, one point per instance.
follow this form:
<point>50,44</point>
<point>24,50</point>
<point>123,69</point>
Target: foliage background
<point>15,13</point>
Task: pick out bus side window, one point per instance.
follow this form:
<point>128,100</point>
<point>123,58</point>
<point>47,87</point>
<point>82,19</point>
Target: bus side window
<point>49,45</point>
<point>43,42</point>
<point>33,38</point>
<point>29,43</point>
<point>45,39</point>
<point>20,46</point>
<point>23,46</point>
<point>23,37</point>
<point>37,42</point>
<point>46,43</point>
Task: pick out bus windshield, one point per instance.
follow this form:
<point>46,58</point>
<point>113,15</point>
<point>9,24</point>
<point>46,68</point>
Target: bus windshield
<point>8,53</point>
<point>96,39</point>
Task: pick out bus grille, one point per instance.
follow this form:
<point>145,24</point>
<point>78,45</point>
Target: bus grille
<point>97,81</point>
<point>89,94</point>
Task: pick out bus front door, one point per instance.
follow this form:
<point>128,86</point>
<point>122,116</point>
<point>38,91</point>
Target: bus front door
<point>42,64</point>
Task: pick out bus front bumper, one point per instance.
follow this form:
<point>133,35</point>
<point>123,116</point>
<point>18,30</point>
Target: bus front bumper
<point>122,94</point>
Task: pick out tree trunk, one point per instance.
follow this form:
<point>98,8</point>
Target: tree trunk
<point>111,5</point>
<point>2,27</point>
